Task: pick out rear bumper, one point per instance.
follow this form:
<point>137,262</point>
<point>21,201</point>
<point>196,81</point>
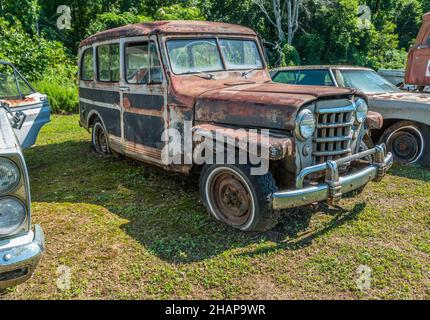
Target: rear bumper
<point>17,263</point>
<point>334,186</point>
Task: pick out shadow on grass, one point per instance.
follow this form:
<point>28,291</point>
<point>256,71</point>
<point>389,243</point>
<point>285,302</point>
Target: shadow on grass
<point>163,210</point>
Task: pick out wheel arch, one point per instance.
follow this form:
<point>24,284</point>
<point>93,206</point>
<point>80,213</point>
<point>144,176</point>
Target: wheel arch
<point>92,116</point>
<point>377,134</point>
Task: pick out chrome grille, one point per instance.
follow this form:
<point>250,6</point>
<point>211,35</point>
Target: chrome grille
<point>333,136</point>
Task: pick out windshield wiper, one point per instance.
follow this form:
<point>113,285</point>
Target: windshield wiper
<point>204,75</point>
<point>245,73</point>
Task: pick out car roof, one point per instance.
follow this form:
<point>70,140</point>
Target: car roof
<point>320,67</point>
<point>169,27</point>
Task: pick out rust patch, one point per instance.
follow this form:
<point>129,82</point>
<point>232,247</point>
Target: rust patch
<point>374,120</point>
<point>279,146</point>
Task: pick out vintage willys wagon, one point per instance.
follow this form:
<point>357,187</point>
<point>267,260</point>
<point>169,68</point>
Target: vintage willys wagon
<point>144,88</point>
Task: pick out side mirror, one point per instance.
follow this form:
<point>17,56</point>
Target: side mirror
<point>18,120</point>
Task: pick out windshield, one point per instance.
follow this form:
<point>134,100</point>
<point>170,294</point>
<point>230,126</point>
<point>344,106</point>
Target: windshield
<point>209,55</point>
<point>365,80</point>
<point>12,85</point>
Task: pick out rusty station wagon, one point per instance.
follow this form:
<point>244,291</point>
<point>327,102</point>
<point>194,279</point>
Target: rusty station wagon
<point>140,80</point>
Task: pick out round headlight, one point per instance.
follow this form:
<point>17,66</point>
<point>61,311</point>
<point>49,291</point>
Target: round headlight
<point>12,215</point>
<point>305,126</point>
<point>361,110</point>
<point>9,175</point>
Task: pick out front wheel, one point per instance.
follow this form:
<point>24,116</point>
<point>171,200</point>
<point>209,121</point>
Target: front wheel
<point>408,142</point>
<point>237,198</point>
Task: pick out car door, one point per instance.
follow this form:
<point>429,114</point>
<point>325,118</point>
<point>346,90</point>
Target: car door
<point>143,99</point>
<point>22,98</point>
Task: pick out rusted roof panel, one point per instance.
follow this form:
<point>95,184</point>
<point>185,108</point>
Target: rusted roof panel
<point>168,27</point>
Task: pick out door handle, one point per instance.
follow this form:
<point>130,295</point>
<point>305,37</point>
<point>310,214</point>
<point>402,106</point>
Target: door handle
<point>124,88</point>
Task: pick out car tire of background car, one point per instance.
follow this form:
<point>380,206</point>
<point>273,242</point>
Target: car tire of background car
<point>408,141</point>
<point>100,143</point>
<point>237,198</point>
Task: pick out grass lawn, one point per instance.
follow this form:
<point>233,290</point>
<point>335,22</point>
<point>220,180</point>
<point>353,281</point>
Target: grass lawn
<point>130,231</point>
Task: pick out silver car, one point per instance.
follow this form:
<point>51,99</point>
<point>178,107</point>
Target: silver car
<point>406,128</point>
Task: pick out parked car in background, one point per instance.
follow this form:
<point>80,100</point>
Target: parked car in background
<point>22,98</point>
<point>210,79</point>
<point>418,65</point>
<point>406,130</point>
<point>20,247</point>
<point>23,112</point>
<point>394,76</point>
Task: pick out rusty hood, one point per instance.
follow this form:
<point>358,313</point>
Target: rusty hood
<point>261,105</point>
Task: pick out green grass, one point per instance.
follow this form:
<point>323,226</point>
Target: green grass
<point>131,231</point>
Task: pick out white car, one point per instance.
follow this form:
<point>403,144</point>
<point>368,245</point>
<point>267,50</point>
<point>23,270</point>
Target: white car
<point>23,112</point>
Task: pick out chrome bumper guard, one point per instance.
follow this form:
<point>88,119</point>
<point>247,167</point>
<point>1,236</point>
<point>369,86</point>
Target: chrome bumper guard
<point>17,263</point>
<point>334,186</point>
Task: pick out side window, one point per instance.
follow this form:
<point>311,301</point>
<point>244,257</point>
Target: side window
<point>143,64</point>
<point>287,77</point>
<point>87,65</point>
<point>108,63</point>
<point>315,78</point>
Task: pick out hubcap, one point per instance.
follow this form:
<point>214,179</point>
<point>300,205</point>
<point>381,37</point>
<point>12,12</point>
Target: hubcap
<point>406,144</point>
<point>230,198</point>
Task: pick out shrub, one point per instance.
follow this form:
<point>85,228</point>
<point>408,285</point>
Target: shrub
<point>62,92</point>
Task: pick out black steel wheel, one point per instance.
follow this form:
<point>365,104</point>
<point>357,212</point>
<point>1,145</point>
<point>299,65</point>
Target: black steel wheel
<point>237,198</point>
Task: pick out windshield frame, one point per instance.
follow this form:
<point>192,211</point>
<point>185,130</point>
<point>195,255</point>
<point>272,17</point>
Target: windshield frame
<point>217,39</point>
<point>17,75</point>
<point>369,71</point>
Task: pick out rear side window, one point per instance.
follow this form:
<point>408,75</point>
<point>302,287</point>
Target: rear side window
<point>108,63</point>
<point>315,78</point>
<point>288,77</point>
<point>142,64</point>
<point>87,69</point>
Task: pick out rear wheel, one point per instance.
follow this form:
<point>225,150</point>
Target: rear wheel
<point>237,198</point>
<point>408,142</point>
<point>100,142</point>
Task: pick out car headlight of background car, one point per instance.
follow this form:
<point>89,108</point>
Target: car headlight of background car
<point>12,215</point>
<point>14,196</point>
<point>305,125</point>
<point>362,110</point>
<point>9,176</point>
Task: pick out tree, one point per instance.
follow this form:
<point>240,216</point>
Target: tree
<point>276,11</point>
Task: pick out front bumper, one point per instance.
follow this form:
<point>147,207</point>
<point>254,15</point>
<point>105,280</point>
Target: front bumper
<point>18,262</point>
<point>334,186</point>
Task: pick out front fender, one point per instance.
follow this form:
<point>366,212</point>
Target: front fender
<point>279,146</point>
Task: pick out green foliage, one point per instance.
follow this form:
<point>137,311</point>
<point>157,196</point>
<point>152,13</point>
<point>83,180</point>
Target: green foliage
<point>408,22</point>
<point>178,12</point>
<point>62,92</point>
<point>111,20</point>
<point>289,56</point>
<point>31,54</point>
<point>28,12</point>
